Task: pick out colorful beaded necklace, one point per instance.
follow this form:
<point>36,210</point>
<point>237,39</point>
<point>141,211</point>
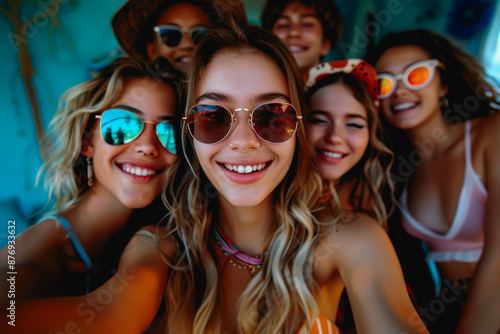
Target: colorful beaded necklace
<point>326,193</point>
<point>242,260</point>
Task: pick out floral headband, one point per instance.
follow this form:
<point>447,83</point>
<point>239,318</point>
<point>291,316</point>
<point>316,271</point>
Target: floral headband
<point>357,67</point>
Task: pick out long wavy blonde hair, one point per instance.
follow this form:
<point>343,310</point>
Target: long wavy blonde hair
<point>65,167</point>
<point>280,297</point>
<point>372,181</point>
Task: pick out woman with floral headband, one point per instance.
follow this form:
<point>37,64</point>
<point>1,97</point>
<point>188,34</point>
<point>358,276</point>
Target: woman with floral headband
<point>346,136</point>
<point>244,252</point>
<point>443,101</point>
<point>347,147</point>
<point>148,29</point>
<point>107,154</point>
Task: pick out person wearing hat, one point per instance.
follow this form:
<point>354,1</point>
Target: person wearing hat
<point>169,28</point>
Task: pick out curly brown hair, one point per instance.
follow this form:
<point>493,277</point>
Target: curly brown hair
<point>463,75</point>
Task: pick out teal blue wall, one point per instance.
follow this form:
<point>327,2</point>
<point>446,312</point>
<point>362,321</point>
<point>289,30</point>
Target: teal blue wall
<point>63,55</point>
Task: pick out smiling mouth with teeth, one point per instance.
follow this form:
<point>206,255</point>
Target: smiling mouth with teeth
<point>404,106</point>
<point>138,170</point>
<point>297,48</point>
<point>245,169</point>
<point>330,154</point>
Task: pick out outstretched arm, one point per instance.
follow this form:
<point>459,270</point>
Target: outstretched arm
<point>482,308</point>
<point>126,303</point>
<point>365,258</point>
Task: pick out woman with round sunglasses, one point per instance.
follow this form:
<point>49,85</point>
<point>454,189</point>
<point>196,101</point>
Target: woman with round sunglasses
<point>443,100</point>
<point>106,156</point>
<point>169,28</point>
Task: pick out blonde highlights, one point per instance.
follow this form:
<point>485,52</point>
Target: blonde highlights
<point>281,296</point>
<point>65,167</point>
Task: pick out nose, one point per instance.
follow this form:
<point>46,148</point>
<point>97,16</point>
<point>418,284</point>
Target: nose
<point>147,143</point>
<point>295,29</point>
<point>187,42</point>
<point>335,133</point>
<point>242,136</point>
<point>400,87</point>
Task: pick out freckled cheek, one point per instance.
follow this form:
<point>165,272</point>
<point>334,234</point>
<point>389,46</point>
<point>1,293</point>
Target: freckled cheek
<point>281,33</point>
<point>313,34</point>
<point>170,159</point>
<point>291,152</point>
<point>205,154</point>
<point>360,142</point>
<point>365,141</point>
<point>385,107</point>
<point>317,133</point>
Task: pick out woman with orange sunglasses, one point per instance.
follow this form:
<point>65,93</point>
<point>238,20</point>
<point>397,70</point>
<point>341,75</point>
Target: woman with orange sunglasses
<point>443,101</point>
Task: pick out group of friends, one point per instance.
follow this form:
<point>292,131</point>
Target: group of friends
<point>223,179</point>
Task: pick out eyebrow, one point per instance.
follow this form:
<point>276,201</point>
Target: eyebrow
<point>357,116</point>
<point>168,24</point>
<point>215,96</point>
<point>273,96</point>
<point>288,17</point>
<point>326,113</point>
<point>139,112</point>
<point>128,108</point>
<point>405,68</point>
<point>221,97</point>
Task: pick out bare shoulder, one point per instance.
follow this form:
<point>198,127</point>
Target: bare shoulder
<point>41,238</point>
<point>158,236</point>
<point>357,229</point>
<point>353,226</point>
<point>355,235</point>
<point>487,128</point>
<point>486,136</point>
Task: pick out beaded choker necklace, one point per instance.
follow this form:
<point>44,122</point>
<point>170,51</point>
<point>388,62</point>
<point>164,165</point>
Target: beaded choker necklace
<point>326,193</point>
<point>244,261</point>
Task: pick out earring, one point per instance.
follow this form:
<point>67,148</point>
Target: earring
<point>443,102</point>
<point>90,172</point>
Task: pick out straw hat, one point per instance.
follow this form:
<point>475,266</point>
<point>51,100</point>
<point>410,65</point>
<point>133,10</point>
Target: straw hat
<point>133,22</point>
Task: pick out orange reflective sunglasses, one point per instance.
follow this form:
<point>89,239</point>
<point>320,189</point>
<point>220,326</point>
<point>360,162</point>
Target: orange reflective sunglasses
<point>416,76</point>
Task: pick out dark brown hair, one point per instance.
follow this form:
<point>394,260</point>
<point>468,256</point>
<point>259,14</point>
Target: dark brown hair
<point>327,11</point>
